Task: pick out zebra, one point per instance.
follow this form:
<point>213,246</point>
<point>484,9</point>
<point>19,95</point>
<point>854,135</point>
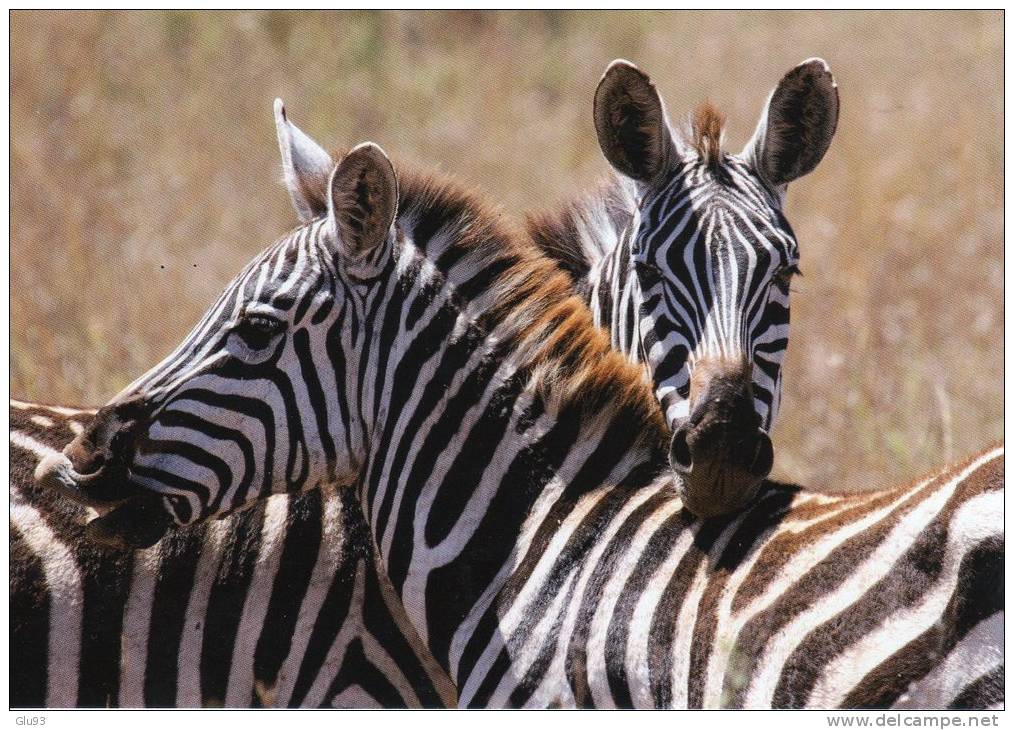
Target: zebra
<point>407,343</point>
<point>281,605</point>
<point>686,257</point>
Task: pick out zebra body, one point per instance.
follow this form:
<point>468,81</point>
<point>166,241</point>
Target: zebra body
<point>974,680</point>
<point>280,605</point>
<point>512,471</point>
<point>890,598</point>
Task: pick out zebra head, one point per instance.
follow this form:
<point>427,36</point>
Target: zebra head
<point>712,257</point>
<point>260,396</point>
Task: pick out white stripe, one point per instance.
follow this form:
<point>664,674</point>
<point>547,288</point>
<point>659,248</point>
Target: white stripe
<point>239,692</point>
<point>329,560</point>
<point>28,443</point>
<point>188,661</point>
<point>137,626</point>
<point>63,580</point>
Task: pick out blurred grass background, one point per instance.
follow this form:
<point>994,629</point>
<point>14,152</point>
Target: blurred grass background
<point>144,174</point>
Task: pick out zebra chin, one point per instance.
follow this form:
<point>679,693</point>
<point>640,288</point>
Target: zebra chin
<point>128,521</point>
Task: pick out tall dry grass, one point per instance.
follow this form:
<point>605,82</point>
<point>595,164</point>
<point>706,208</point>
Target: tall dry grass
<point>144,174</point>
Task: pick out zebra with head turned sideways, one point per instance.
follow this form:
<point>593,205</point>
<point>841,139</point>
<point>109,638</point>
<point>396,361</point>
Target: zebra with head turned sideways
<point>686,257</point>
<point>512,470</point>
<point>281,605</point>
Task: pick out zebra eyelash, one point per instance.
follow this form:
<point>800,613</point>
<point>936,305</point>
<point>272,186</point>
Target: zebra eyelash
<point>784,275</point>
<point>258,330</point>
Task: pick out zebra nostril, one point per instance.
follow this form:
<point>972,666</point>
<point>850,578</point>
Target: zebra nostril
<point>680,457</point>
<point>764,457</point>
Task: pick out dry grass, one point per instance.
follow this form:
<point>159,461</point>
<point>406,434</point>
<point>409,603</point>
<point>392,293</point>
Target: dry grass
<point>144,174</point>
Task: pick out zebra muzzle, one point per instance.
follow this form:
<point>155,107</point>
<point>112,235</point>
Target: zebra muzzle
<point>124,522</point>
<point>720,471</point>
<point>56,472</point>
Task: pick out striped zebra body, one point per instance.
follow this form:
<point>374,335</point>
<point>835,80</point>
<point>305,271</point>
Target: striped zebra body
<point>886,599</point>
<point>280,605</point>
<point>511,468</point>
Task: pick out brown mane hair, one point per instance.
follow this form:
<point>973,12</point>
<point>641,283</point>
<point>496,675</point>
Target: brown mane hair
<point>574,233</point>
<point>706,128</point>
<point>483,253</point>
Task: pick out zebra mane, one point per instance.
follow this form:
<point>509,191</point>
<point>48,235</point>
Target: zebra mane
<point>707,127</point>
<point>579,232</point>
<point>486,256</point>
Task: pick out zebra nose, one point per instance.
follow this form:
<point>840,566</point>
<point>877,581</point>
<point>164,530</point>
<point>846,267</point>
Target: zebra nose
<point>750,451</point>
<point>94,464</point>
<point>764,457</point>
<point>719,471</point>
<point>680,457</point>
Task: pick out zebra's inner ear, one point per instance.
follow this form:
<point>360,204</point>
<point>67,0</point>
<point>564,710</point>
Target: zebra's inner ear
<point>305,165</point>
<point>631,123</point>
<point>797,125</point>
<point>362,199</point>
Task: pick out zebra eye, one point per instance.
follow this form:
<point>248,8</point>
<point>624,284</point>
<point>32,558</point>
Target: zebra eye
<point>257,330</point>
<point>646,269</point>
<point>783,276</point>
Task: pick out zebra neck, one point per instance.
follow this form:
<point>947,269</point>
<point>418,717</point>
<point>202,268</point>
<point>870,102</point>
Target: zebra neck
<point>482,443</point>
<point>578,234</point>
<point>613,297</point>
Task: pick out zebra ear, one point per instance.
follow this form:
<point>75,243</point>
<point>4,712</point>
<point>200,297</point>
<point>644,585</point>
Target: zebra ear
<point>797,125</point>
<point>362,199</point>
<point>631,123</point>
<point>306,166</point>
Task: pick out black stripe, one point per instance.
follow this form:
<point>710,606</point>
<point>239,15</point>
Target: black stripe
<point>614,551</point>
<point>986,691</point>
<point>314,391</point>
<point>404,383</point>
<point>662,631</point>
<point>533,467</point>
<point>334,612</point>
<point>181,553</point>
<point>382,626</point>
<point>357,670</point>
<point>442,435</point>
<point>29,624</point>
<point>763,516</point>
<point>657,549</point>
<point>251,408</point>
<point>229,593</point>
<point>299,555</point>
<point>530,682</point>
<point>106,580</point>
<point>184,419</point>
